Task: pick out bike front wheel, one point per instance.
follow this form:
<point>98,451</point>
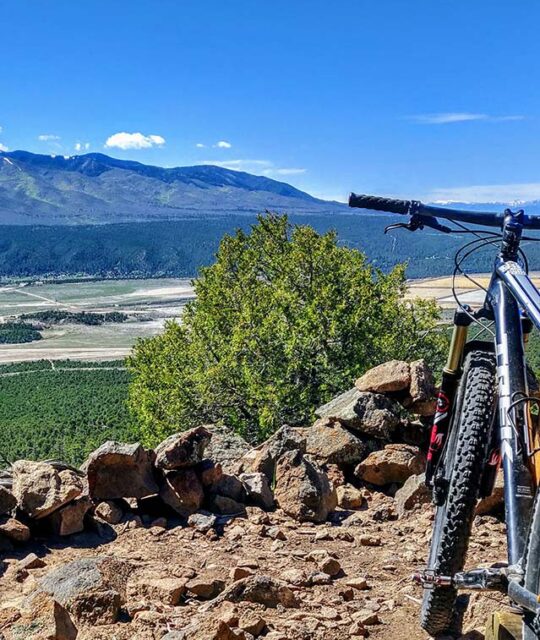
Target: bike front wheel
<point>465,455</point>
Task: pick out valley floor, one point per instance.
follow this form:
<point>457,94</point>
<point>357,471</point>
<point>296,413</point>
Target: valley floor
<point>148,303</point>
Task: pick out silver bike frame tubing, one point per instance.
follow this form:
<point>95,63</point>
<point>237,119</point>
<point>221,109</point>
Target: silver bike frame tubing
<point>510,287</point>
<point>523,290</point>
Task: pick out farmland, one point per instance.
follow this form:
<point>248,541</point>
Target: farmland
<point>147,303</point>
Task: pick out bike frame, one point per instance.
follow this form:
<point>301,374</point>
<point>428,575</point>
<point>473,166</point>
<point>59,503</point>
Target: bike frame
<point>510,288</point>
<point>513,441</point>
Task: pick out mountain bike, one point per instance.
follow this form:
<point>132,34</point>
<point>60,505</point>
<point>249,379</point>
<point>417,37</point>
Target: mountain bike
<point>486,418</point>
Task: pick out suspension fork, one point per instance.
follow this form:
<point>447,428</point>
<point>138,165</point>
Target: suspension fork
<point>446,396</point>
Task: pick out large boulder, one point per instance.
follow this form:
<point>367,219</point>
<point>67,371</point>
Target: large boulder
<point>393,464</point>
<point>182,450</point>
<point>394,375</point>
<point>90,589</point>
<point>226,447</point>
<point>182,491</point>
<point>8,502</point>
<point>330,443</point>
<point>40,488</point>
<point>302,489</point>
<point>371,414</point>
<point>414,492</point>
<point>118,470</point>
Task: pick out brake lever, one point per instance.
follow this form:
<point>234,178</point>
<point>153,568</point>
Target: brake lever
<point>419,222</point>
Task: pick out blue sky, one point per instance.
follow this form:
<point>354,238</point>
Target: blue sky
<point>432,99</point>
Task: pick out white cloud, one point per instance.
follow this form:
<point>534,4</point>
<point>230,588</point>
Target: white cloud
<point>79,146</point>
<point>125,140</point>
<point>285,172</point>
<point>452,117</point>
<point>47,137</point>
<point>200,145</point>
<point>223,144</point>
<point>251,166</point>
<point>3,147</point>
<point>506,193</point>
<point>258,167</point>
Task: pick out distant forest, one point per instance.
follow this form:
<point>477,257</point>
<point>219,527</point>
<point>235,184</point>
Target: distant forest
<point>180,248</point>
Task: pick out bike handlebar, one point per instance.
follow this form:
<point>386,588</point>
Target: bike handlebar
<point>375,203</point>
<point>412,207</point>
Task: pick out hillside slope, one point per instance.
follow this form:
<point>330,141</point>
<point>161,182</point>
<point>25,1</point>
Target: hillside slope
<point>95,188</point>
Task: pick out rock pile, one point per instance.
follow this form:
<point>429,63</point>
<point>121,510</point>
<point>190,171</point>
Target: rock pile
<point>361,460</point>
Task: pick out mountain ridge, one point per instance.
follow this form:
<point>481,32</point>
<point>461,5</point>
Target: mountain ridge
<point>95,188</point>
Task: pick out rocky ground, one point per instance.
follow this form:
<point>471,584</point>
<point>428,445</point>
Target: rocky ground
<point>312,535</point>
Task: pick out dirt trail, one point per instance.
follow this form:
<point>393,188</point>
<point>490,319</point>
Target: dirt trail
<point>327,611</point>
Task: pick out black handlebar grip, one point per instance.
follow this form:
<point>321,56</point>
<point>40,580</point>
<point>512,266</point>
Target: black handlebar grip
<point>392,205</point>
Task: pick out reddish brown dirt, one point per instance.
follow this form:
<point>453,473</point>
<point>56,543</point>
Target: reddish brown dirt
<point>325,611</point>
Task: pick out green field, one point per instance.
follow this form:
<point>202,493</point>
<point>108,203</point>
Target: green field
<point>147,304</point>
<point>63,412</point>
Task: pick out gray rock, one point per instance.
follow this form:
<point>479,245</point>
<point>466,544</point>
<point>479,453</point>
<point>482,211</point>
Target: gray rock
<point>8,501</point>
<point>91,589</point>
<point>181,450</point>
<point>302,489</point>
<point>422,386</point>
<point>118,470</point>
<point>202,521</point>
<point>258,490</point>
<point>371,414</point>
<point>264,458</point>
<point>231,487</point>
<point>40,489</point>
<point>226,447</point>
<point>411,494</point>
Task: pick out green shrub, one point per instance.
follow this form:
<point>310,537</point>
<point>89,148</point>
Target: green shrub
<point>284,319</point>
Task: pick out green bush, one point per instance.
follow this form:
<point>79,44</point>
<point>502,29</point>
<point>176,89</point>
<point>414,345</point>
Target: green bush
<point>284,319</point>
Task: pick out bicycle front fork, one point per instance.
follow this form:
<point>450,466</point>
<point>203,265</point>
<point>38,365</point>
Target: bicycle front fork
<point>445,400</point>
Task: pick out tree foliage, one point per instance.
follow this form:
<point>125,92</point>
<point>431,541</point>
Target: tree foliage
<point>63,412</point>
<point>283,320</point>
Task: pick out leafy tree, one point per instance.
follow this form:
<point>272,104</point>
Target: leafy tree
<point>284,319</point>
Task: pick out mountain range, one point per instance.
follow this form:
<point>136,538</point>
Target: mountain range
<point>95,189</point>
